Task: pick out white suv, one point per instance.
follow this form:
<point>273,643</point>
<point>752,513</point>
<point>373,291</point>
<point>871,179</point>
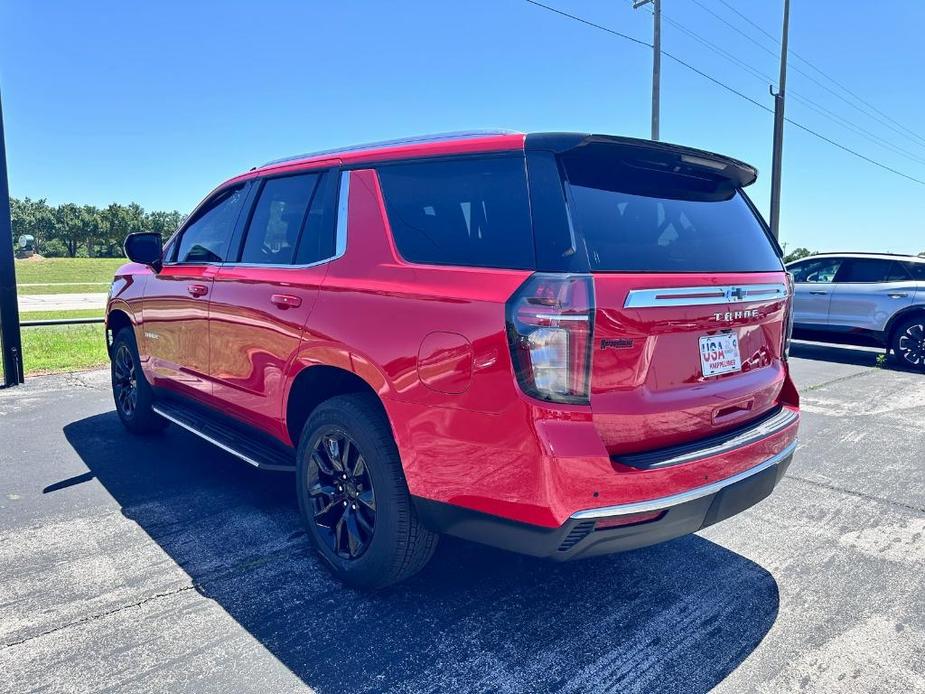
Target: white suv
<point>862,298</point>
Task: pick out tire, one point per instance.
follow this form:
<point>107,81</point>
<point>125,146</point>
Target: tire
<point>359,515</point>
<point>130,389</point>
<point>909,343</point>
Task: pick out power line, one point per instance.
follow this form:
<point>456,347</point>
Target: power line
<point>851,151</point>
<point>824,74</point>
<point>883,119</point>
<point>591,24</point>
<point>809,103</point>
<point>727,88</point>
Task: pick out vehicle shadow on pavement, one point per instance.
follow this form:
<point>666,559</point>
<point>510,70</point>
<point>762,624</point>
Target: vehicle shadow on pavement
<point>675,617</point>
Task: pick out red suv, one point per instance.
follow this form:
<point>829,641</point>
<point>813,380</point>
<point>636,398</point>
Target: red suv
<point>559,344</point>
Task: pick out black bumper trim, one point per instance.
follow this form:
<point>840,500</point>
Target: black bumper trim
<point>767,425</point>
<point>576,538</point>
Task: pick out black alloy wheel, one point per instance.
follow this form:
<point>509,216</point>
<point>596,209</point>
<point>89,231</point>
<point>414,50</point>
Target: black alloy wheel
<point>125,381</point>
<point>342,495</point>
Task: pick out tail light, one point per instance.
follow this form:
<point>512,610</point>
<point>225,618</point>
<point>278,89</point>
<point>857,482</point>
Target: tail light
<point>788,317</point>
<point>550,320</point>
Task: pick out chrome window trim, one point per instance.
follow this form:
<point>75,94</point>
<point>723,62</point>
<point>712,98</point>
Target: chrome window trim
<point>340,240</point>
<point>666,502</point>
<point>343,198</point>
<point>705,295</point>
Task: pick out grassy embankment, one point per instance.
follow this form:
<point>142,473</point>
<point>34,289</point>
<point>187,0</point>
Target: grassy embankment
<point>70,347</point>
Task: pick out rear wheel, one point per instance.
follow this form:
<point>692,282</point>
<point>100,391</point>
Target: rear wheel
<point>130,390</point>
<point>909,343</point>
<point>353,495</point>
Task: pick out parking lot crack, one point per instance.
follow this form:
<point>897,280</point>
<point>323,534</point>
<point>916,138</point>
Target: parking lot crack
<point>101,615</point>
<point>862,495</point>
<point>840,379</point>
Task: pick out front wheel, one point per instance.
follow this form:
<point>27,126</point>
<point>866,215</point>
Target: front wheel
<point>130,389</point>
<point>909,343</point>
<point>353,496</point>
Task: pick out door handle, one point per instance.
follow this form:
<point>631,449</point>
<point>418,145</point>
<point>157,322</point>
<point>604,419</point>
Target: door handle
<point>197,289</point>
<point>286,300</point>
<point>818,292</point>
<point>898,295</point>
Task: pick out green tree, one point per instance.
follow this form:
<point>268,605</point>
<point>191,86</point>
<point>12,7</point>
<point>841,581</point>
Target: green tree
<point>68,228</point>
<point>32,217</point>
<point>797,254</point>
<point>164,223</point>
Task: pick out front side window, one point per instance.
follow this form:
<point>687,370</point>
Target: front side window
<point>278,219</point>
<point>821,271</point>
<point>206,239</point>
<point>469,211</point>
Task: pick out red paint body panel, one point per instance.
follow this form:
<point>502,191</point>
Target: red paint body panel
<point>431,341</point>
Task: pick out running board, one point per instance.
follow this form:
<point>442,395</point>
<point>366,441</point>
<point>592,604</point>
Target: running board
<point>216,431</point>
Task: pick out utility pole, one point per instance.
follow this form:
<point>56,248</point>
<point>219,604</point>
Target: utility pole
<point>656,58</point>
<point>10,342</point>
<point>779,126</point>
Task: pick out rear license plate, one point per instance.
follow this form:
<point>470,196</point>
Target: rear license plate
<point>719,354</point>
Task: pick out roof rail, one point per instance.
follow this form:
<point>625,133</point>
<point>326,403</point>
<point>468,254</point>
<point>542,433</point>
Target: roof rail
<point>892,255</point>
<point>419,139</point>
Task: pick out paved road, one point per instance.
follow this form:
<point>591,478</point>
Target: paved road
<point>61,302</point>
<point>166,565</point>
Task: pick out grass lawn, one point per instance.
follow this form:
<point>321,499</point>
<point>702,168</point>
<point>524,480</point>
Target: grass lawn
<point>65,275</point>
<point>52,315</point>
<point>63,348</point>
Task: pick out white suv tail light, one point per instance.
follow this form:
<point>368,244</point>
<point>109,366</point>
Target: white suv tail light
<point>550,321</point>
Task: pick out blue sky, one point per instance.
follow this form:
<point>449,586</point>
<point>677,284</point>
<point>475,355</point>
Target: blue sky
<point>158,102</point>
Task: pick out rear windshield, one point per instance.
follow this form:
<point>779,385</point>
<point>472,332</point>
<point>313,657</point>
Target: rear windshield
<point>466,211</point>
<point>632,219</point>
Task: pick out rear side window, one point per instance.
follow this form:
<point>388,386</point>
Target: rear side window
<point>917,270</point>
<point>633,219</point>
<point>867,270</point>
<point>471,212</point>
<point>206,238</point>
<point>278,219</point>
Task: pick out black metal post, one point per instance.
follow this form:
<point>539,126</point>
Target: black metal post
<point>10,339</point>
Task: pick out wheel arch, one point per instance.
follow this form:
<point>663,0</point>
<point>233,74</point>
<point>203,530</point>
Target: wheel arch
<point>117,318</point>
<point>899,318</point>
<point>314,384</point>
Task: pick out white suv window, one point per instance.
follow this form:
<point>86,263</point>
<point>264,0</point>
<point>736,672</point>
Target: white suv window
<point>820,271</point>
<point>872,270</point>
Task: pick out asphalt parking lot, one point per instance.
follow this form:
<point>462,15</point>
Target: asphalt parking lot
<point>166,565</point>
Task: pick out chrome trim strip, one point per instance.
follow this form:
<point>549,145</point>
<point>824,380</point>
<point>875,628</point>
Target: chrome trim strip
<point>770,426</point>
<point>561,317</point>
<point>218,444</point>
<point>682,498</point>
<point>704,296</point>
<point>343,198</point>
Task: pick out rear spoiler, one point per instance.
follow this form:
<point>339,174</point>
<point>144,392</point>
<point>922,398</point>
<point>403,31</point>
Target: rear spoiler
<point>661,155</point>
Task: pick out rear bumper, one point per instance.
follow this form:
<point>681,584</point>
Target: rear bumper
<point>582,535</point>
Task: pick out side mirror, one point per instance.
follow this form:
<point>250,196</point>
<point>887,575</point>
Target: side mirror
<point>145,247</point>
